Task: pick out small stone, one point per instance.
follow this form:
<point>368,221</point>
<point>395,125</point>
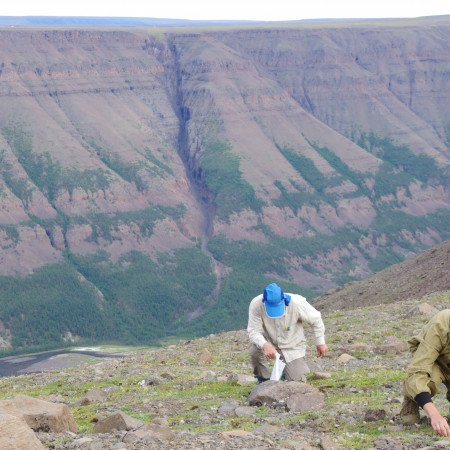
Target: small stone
<point>161,358</point>
<point>243,380</point>
<point>374,415</point>
<point>265,429</point>
<point>320,376</point>
<point>227,408</point>
<point>358,347</point>
<point>161,421</point>
<point>395,347</point>
<point>237,433</point>
<point>327,444</point>
<point>82,441</point>
<point>345,358</point>
<point>241,411</point>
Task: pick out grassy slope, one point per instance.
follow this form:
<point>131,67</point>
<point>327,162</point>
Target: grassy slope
<point>189,402</point>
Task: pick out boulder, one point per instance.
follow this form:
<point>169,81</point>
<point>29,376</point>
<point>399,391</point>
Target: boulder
<point>310,399</point>
<point>205,357</point>
<point>39,414</point>
<point>16,434</point>
<point>423,309</point>
<point>149,432</point>
<point>94,396</point>
<point>277,393</point>
<point>117,421</point>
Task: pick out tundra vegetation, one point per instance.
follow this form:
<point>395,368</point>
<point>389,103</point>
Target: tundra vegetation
<point>172,385</point>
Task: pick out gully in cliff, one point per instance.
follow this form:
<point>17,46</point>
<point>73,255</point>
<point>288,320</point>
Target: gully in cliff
<point>275,327</point>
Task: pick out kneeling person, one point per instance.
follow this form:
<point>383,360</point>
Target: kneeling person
<point>428,368</point>
<point>275,324</point>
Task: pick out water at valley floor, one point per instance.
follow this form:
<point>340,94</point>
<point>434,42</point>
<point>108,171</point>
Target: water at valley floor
<point>54,360</point>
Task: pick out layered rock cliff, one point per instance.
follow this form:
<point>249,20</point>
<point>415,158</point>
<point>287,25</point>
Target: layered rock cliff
<point>310,155</point>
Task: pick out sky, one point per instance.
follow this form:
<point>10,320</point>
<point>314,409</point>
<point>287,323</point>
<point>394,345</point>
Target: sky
<point>271,10</point>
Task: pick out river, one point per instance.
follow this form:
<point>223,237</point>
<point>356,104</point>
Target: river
<point>55,360</point>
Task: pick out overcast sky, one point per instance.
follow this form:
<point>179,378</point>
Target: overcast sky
<point>227,9</point>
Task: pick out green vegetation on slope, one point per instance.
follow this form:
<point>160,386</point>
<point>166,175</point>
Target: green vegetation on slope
<point>47,175</point>
<point>224,179</point>
<point>141,301</point>
<point>305,167</point>
<point>42,307</point>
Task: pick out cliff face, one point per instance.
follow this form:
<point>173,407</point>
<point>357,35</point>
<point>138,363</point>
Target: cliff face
<point>329,145</point>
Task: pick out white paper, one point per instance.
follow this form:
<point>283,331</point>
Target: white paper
<point>278,368</point>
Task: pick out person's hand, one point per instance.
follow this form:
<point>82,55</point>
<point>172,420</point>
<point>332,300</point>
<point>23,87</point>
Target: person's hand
<point>269,350</point>
<point>439,423</point>
<point>322,350</point>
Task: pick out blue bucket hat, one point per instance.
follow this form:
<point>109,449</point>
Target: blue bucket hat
<point>274,300</point>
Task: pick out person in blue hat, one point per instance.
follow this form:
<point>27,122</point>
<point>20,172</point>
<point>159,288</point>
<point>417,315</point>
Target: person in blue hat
<point>275,325</point>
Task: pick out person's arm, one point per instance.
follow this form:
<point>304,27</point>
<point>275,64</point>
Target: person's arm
<point>432,342</point>
<point>311,316</point>
<point>421,365</point>
<point>439,423</point>
<point>255,325</point>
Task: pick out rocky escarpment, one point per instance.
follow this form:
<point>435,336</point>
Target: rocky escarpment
<point>309,155</point>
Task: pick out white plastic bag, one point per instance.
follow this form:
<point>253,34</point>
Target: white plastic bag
<point>278,368</point>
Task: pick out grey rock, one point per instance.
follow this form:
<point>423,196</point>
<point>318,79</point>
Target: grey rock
<point>227,408</point>
<point>241,411</point>
<point>277,393</point>
<point>117,421</point>
<point>327,444</point>
<point>374,415</point>
<point>320,376</point>
<point>309,400</point>
<point>149,432</point>
<point>154,380</point>
<point>94,396</point>
<point>243,379</point>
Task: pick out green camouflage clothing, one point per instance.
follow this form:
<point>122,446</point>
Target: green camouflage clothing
<point>430,363</point>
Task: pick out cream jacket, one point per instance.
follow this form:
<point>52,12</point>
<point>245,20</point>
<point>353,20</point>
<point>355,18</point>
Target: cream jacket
<point>285,332</point>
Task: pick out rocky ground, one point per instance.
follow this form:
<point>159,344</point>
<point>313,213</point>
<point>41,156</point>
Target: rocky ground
<point>198,391</point>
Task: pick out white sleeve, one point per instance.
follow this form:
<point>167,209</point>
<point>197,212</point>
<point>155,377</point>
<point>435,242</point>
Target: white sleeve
<point>311,316</point>
<point>255,325</point>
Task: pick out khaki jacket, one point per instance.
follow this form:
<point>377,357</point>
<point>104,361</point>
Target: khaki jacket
<point>285,332</point>
<point>431,346</point>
